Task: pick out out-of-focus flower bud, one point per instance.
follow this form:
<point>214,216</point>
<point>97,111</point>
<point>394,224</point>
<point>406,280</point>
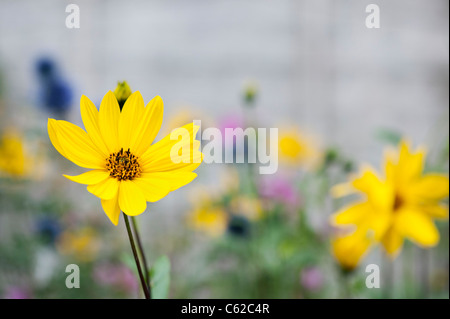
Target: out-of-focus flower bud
<point>122,92</point>
<point>250,93</point>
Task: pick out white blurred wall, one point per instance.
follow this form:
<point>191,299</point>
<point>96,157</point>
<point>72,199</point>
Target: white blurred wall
<point>315,61</point>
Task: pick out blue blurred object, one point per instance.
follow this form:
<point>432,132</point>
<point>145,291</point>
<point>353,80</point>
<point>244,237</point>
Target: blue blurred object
<point>48,228</point>
<point>55,94</point>
<point>239,226</point>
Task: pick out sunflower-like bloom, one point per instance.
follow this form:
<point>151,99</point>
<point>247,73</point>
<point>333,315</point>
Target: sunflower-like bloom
<point>297,149</point>
<point>402,204</point>
<point>127,169</point>
<point>211,220</point>
<point>13,160</point>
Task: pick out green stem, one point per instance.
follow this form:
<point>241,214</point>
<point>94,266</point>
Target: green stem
<point>424,260</point>
<point>136,258</point>
<point>141,251</point>
<point>344,276</point>
<point>388,276</point>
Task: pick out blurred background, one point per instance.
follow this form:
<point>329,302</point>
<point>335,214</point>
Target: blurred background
<point>310,68</point>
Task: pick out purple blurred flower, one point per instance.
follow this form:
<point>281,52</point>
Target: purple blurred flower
<point>279,188</point>
<point>118,276</point>
<point>232,122</point>
<point>15,292</point>
<point>311,278</point>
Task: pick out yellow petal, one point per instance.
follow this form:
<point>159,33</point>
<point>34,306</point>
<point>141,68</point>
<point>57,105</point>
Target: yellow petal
<point>379,223</point>
<point>174,179</point>
<point>54,138</point>
<point>392,241</point>
<point>438,211</point>
<point>341,190</point>
<point>351,214</point>
<point>111,209</point>
<point>130,118</point>
<point>410,165</point>
<point>431,186</point>
<point>89,115</point>
<point>153,189</point>
<point>417,226</point>
<point>379,193</point>
<point>109,121</point>
<point>155,186</point>
<point>75,144</point>
<point>131,199</point>
<point>367,180</point>
<point>158,159</point>
<point>390,164</point>
<point>106,189</point>
<point>89,178</point>
<point>349,250</point>
<point>149,126</point>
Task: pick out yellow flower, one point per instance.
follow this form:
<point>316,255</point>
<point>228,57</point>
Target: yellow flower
<point>210,220</point>
<point>186,114</point>
<point>402,204</point>
<point>127,169</point>
<point>248,207</point>
<point>13,161</point>
<point>211,217</point>
<point>297,149</point>
<point>82,244</point>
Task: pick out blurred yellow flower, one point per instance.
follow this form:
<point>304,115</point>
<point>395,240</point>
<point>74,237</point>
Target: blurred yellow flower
<point>210,220</point>
<point>248,207</point>
<point>127,170</point>
<point>212,217</point>
<point>298,149</point>
<point>82,244</point>
<point>185,114</point>
<point>13,160</point>
<point>180,118</point>
<point>402,204</point>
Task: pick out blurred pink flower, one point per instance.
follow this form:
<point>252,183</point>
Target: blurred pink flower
<point>118,276</point>
<point>279,188</point>
<point>15,292</point>
<point>231,121</point>
<point>311,278</point>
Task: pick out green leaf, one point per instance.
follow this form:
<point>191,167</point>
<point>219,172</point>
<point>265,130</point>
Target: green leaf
<point>160,278</point>
<point>389,136</point>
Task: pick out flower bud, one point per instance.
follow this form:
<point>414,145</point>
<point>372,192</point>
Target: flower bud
<point>122,92</point>
<point>250,92</point>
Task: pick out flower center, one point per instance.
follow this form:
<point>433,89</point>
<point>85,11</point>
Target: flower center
<point>398,202</point>
<point>123,165</point>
